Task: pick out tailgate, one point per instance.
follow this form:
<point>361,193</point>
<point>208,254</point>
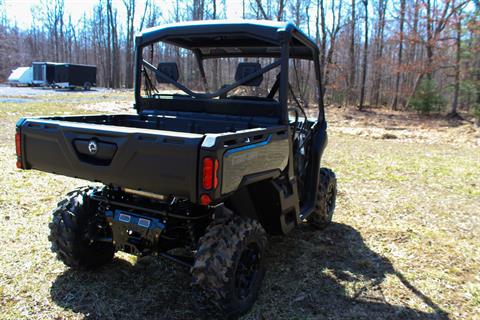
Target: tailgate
<point>162,162</point>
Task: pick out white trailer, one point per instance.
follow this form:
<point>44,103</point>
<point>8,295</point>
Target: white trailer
<point>21,76</point>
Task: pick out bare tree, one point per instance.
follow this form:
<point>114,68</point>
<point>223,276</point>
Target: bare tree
<point>351,78</point>
<point>458,41</point>
<point>112,46</point>
<point>321,25</point>
<point>365,55</point>
<point>337,24</point>
<point>400,53</point>
<point>426,41</point>
<point>377,64</point>
<point>198,9</point>
<point>130,8</point>
<point>53,18</point>
<point>435,25</point>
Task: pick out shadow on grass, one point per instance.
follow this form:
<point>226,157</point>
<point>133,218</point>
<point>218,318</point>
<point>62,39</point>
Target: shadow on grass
<point>308,272</point>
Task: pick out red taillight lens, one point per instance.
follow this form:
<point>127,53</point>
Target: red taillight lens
<point>205,200</point>
<point>18,149</point>
<point>207,178</point>
<point>210,173</point>
<point>215,175</point>
<point>18,144</point>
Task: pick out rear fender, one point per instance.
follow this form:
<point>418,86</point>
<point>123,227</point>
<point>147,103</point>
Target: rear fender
<point>277,209</point>
<point>266,202</point>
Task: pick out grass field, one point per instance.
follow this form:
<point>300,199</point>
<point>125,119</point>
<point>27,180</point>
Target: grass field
<point>404,243</point>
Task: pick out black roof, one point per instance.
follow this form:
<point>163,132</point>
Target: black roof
<point>63,64</point>
<point>231,38</point>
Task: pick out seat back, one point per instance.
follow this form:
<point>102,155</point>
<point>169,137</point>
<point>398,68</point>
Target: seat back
<point>245,69</point>
<point>170,69</point>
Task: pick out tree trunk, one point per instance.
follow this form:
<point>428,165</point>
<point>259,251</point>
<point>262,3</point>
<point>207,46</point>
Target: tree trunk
<point>281,7</point>
<point>365,55</point>
<point>400,53</point>
<point>429,45</point>
<point>215,61</point>
<point>377,63</point>
<point>324,41</point>
<point>130,8</point>
<point>351,78</point>
<point>458,25</point>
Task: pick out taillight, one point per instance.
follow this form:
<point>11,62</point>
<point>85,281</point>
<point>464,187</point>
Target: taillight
<point>210,173</point>
<point>207,180</point>
<point>18,149</point>
<point>205,200</point>
<point>215,175</point>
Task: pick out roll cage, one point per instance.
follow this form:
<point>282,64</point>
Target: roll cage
<point>230,39</point>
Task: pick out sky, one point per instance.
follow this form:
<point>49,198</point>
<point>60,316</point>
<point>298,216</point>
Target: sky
<point>20,11</point>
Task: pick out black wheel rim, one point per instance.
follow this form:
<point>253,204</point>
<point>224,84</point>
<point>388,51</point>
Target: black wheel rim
<point>247,271</point>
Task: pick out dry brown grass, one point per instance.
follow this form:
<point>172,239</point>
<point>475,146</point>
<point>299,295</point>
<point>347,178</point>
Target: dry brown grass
<point>404,244</point>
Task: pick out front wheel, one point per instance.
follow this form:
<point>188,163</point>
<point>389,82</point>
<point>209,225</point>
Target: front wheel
<point>229,266</point>
<point>322,215</point>
<point>73,230</point>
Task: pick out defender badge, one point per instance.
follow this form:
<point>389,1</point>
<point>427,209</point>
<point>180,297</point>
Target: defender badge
<point>92,147</point>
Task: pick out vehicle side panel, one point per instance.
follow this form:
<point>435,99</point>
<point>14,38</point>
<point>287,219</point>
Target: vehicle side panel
<point>269,154</point>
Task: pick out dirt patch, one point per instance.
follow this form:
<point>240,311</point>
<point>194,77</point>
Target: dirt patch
<point>403,125</point>
<point>109,107</point>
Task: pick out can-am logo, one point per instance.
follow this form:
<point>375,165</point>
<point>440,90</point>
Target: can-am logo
<point>92,147</point>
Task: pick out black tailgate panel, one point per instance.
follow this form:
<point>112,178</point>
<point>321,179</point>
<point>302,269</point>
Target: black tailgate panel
<point>150,160</point>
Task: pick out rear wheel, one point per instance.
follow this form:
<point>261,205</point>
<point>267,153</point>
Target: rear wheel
<point>229,268</point>
<point>87,86</point>
<point>73,229</point>
<point>326,198</point>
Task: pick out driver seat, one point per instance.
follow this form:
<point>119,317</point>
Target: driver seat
<point>244,69</point>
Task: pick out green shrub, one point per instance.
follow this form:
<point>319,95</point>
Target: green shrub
<point>427,97</point>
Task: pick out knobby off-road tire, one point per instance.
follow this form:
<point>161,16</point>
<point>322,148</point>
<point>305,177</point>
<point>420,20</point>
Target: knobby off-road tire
<point>69,232</point>
<point>325,202</point>
<point>229,266</point>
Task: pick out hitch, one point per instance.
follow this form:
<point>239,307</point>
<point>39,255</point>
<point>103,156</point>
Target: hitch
<point>134,233</point>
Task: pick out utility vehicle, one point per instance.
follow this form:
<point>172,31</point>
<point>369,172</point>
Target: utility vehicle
<point>196,176</point>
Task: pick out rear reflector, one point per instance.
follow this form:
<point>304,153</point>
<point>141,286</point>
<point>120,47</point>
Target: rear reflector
<point>205,200</point>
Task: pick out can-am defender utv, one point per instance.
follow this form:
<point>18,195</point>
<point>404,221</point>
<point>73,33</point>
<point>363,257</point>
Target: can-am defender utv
<point>212,172</point>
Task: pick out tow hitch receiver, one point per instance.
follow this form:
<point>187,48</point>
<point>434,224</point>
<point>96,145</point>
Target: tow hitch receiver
<point>134,233</point>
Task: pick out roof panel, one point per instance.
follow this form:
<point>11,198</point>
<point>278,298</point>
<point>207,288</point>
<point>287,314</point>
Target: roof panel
<point>251,36</point>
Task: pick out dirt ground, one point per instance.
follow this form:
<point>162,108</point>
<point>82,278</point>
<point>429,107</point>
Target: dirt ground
<point>403,245</point>
<point>406,126</point>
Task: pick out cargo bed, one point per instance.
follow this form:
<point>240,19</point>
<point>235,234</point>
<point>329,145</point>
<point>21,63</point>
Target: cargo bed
<point>153,153</point>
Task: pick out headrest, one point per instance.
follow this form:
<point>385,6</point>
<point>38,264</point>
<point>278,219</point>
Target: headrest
<point>245,69</point>
<point>169,69</point>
